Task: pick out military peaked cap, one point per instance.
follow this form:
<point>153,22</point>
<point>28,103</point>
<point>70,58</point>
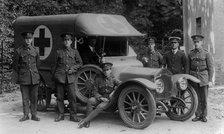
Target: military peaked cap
<point>67,35</point>
<point>106,65</point>
<point>197,37</point>
<point>27,35</point>
<point>174,38</point>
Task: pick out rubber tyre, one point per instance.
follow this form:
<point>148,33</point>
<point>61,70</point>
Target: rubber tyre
<point>135,101</point>
<point>179,116</point>
<point>84,81</point>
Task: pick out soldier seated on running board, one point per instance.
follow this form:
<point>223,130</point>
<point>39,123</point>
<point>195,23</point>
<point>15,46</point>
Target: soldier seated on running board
<point>102,93</point>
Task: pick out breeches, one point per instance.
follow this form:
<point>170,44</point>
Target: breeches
<point>70,88</point>
<point>202,93</point>
<point>93,102</point>
<point>29,98</point>
<point>100,106</point>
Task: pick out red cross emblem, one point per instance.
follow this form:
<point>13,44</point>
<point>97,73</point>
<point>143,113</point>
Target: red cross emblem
<point>43,41</point>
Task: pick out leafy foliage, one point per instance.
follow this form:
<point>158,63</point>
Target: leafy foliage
<point>153,17</point>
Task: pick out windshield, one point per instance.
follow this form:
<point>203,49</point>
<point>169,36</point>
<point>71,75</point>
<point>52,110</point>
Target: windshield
<point>114,46</point>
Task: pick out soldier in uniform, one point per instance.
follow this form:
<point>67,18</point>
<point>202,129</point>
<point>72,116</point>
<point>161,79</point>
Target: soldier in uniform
<point>175,60</point>
<point>152,58</point>
<point>67,62</point>
<point>201,66</point>
<point>26,64</point>
<point>102,94</point>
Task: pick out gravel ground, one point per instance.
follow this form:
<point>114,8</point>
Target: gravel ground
<point>11,112</point>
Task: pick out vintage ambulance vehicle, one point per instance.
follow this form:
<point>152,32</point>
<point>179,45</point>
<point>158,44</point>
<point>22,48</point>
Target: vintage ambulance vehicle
<point>143,91</point>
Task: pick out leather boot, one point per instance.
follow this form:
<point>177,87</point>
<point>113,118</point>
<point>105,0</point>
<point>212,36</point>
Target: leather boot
<point>197,118</point>
<point>74,118</point>
<point>93,114</point>
<point>24,118</point>
<point>204,119</point>
<point>84,124</point>
<point>35,118</point>
<point>87,125</point>
<point>59,118</point>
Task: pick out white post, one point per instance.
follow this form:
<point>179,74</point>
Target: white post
<point>185,26</point>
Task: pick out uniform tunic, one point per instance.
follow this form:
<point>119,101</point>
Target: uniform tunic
<point>176,63</point>
<point>66,59</point>
<point>201,66</point>
<point>26,63</point>
<point>104,86</point>
<point>155,59</point>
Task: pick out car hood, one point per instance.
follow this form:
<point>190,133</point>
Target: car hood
<point>126,73</point>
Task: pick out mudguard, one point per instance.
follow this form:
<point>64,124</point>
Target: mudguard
<point>136,81</point>
<point>187,76</point>
<point>140,81</point>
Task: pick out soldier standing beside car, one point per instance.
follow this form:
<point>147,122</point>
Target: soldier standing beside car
<point>175,60</point>
<point>26,63</point>
<point>152,58</point>
<point>67,62</point>
<point>201,66</point>
<point>103,90</point>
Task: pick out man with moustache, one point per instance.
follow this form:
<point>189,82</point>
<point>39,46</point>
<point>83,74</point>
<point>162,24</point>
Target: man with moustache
<point>175,60</point>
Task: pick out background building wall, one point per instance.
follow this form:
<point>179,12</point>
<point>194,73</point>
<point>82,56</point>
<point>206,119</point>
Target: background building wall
<point>198,9</point>
<point>211,13</point>
<point>218,28</point>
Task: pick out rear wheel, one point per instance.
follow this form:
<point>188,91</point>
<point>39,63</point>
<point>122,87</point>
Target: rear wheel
<point>84,81</point>
<point>137,107</point>
<point>184,105</point>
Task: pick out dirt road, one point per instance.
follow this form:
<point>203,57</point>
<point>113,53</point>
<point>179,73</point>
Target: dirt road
<point>107,123</point>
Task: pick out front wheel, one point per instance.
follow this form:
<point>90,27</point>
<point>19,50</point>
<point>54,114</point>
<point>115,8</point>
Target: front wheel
<point>137,107</point>
<point>184,105</point>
